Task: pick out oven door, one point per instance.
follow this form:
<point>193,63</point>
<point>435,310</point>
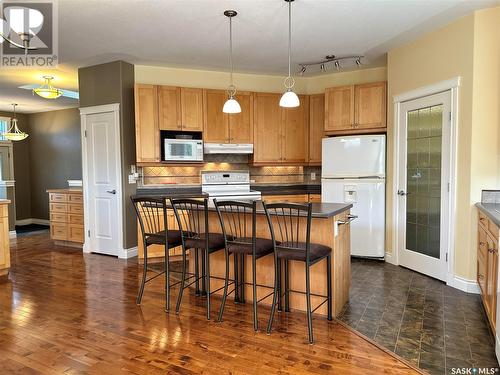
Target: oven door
<point>183,150</point>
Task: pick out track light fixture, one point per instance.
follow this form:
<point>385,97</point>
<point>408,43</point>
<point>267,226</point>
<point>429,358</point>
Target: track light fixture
<point>331,59</point>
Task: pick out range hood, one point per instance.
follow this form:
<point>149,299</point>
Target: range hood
<point>228,148</point>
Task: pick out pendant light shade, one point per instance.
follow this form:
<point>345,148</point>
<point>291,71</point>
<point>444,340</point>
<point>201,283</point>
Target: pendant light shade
<point>289,99</point>
<point>14,134</point>
<point>231,105</point>
<point>47,91</point>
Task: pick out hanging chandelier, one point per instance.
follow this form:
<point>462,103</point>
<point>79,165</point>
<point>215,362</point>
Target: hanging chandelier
<point>231,105</point>
<point>14,134</point>
<point>47,91</point>
<point>289,98</point>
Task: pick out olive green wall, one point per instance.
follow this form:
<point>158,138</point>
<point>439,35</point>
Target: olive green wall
<point>114,83</point>
<point>55,155</point>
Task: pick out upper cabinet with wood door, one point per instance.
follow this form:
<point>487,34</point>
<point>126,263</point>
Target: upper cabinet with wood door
<point>295,133</point>
<point>280,134</point>
<point>220,127</point>
<point>192,109</point>
<point>169,108</point>
<point>147,134</point>
<point>356,109</point>
<point>267,128</point>
<point>316,127</point>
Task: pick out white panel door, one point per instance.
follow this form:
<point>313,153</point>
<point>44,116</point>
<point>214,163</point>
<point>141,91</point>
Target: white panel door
<point>103,183</point>
<point>353,156</point>
<point>368,199</point>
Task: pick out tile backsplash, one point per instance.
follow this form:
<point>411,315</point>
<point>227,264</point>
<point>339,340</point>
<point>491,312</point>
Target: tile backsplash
<point>191,175</point>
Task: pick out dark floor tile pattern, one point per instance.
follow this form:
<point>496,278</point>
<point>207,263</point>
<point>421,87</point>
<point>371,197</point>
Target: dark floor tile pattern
<point>434,326</point>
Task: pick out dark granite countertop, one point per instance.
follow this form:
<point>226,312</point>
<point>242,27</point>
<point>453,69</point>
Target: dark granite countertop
<point>173,192</point>
<point>492,210</point>
<point>319,210</point>
<point>287,189</point>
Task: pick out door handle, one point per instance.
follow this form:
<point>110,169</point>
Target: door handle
<point>402,193</point>
<point>111,191</point>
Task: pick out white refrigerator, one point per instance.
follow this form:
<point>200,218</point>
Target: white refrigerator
<point>353,171</point>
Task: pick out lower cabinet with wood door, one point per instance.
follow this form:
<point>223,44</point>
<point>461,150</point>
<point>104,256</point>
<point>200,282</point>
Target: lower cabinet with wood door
<point>4,237</point>
<point>487,265</point>
<point>66,216</point>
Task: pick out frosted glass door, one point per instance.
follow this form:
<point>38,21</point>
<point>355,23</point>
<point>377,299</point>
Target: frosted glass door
<point>424,159</point>
<point>423,176</point>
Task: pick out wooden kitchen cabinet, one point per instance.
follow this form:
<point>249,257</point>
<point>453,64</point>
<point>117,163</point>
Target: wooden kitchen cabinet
<point>487,266</point>
<point>280,134</point>
<point>66,216</point>
<point>356,109</point>
<point>295,133</point>
<point>316,127</point>
<point>220,127</point>
<point>192,109</point>
<point>169,108</point>
<point>267,129</point>
<point>4,237</point>
<point>147,134</point>
<point>339,108</point>
<point>370,106</point>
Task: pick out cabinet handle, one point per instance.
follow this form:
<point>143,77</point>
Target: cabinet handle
<point>491,251</point>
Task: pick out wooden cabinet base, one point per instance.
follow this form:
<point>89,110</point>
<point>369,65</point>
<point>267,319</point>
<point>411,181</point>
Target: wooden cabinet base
<point>68,243</point>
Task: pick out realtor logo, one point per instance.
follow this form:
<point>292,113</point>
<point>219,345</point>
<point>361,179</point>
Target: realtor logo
<point>28,34</point>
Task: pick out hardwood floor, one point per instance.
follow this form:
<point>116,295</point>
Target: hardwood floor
<point>64,312</point>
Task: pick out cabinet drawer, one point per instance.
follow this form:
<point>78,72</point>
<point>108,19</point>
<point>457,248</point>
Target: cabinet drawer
<point>58,231</point>
<point>58,217</point>
<point>58,197</point>
<point>75,233</point>
<point>75,209</point>
<point>75,219</point>
<point>58,207</point>
<point>75,198</point>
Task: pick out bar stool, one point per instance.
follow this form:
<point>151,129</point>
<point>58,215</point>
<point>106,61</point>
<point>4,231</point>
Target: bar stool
<point>291,223</point>
<point>152,216</point>
<point>192,218</point>
<point>240,240</point>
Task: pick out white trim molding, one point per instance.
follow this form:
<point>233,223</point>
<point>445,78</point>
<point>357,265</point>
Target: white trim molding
<point>115,107</point>
<point>451,85</point>
<point>435,88</point>
<point>12,234</point>
<point>128,253</point>
<point>468,286</point>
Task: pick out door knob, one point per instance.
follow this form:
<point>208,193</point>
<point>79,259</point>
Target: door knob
<point>111,191</point>
<point>402,193</point>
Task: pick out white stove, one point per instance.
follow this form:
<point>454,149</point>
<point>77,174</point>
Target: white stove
<point>230,185</point>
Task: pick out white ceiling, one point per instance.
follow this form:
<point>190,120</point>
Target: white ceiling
<point>194,34</point>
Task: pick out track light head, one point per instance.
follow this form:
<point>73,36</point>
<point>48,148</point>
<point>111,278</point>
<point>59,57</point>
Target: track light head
<point>303,70</point>
<point>337,65</point>
<point>358,61</point>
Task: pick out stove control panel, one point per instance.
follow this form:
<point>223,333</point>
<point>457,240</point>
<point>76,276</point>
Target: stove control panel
<point>225,177</point>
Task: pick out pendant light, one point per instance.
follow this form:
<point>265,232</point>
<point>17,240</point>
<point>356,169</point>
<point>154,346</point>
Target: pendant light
<point>289,99</point>
<point>231,105</point>
<point>14,134</point>
<point>47,91</point>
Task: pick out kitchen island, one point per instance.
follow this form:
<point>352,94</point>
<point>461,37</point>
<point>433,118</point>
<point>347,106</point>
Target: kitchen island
<point>327,228</point>
<point>4,237</point>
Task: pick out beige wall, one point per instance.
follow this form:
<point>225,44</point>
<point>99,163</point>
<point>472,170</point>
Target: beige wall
<point>455,50</point>
<point>253,82</point>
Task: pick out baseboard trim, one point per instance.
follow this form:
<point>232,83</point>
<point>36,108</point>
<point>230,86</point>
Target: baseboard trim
<point>33,221</point>
<point>390,259</point>
<point>128,253</point>
<point>12,234</point>
<point>465,285</point>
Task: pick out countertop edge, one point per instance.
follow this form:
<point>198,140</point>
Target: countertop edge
<point>492,216</point>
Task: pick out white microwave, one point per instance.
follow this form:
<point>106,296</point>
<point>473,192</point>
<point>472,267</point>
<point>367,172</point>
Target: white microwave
<point>182,149</point>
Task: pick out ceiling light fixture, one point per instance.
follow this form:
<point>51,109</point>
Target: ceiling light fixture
<point>332,59</point>
<point>231,105</point>
<point>14,134</point>
<point>289,99</point>
<point>47,91</point>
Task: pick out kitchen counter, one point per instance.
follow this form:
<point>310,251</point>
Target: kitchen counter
<point>287,189</point>
<point>66,191</point>
<point>492,210</point>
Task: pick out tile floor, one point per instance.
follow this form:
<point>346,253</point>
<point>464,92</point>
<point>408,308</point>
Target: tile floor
<point>434,326</point>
